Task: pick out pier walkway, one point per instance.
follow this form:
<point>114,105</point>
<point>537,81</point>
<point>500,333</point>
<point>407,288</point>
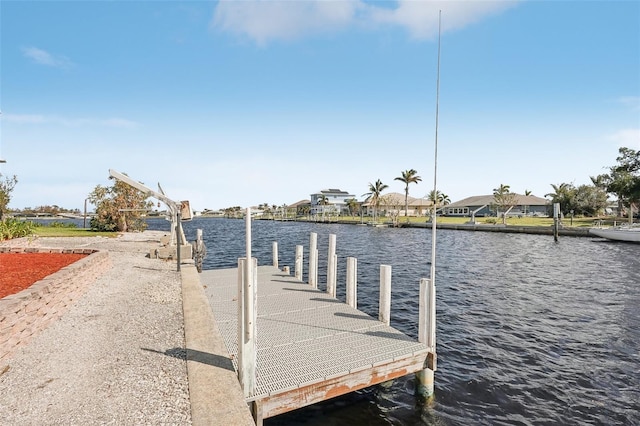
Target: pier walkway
<point>310,346</point>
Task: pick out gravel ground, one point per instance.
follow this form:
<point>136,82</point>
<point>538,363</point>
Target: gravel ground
<point>116,357</point>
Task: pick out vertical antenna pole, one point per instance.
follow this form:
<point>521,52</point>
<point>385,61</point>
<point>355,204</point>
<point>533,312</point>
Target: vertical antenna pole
<point>427,326</point>
<point>435,167</point>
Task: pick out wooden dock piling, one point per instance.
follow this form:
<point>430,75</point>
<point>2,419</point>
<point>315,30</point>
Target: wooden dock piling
<point>313,260</point>
<point>274,249</point>
<point>332,266</point>
<point>352,282</point>
<point>427,335</point>
<point>298,263</point>
<point>384,308</point>
<point>247,314</point>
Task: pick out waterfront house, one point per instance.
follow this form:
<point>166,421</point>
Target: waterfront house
<point>485,205</point>
<point>393,204</point>
<point>335,201</point>
<point>300,208</point>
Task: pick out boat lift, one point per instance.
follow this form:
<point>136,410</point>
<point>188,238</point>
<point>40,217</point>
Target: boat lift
<point>178,211</point>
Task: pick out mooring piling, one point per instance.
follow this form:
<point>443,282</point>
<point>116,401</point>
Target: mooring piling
<point>352,282</point>
<point>298,263</point>
<point>384,309</point>
<point>274,249</point>
<point>427,335</point>
<point>332,266</point>
<point>313,260</point>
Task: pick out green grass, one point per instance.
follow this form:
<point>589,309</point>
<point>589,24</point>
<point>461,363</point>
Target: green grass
<point>49,231</point>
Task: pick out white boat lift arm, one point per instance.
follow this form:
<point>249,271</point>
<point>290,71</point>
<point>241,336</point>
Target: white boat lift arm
<point>174,207</point>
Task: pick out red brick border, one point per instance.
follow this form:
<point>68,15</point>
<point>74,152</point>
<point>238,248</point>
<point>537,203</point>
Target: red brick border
<point>25,314</point>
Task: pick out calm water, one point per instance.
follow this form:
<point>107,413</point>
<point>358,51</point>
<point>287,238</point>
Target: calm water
<point>529,331</point>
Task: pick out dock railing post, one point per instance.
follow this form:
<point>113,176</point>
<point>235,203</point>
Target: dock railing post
<point>274,248</point>
<point>247,315</point>
<point>427,334</point>
<point>199,250</point>
<point>556,220</point>
<point>313,260</point>
<point>247,308</point>
<point>352,282</point>
<point>384,309</point>
<point>298,263</point>
<point>332,264</point>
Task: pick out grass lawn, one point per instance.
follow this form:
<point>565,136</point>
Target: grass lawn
<point>51,231</point>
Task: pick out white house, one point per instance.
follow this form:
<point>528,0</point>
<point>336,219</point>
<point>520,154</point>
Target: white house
<point>336,200</point>
<point>394,203</point>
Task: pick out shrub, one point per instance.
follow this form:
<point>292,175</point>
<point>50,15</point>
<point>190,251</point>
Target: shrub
<point>57,224</point>
<point>13,228</point>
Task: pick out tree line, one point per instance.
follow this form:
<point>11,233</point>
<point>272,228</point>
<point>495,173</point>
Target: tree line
<point>121,207</point>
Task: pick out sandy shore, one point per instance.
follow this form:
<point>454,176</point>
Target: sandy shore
<point>116,357</point>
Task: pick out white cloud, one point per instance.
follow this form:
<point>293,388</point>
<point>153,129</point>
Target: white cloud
<point>632,102</point>
<point>629,138</point>
<point>69,122</point>
<point>24,118</point>
<point>266,20</point>
<point>420,18</point>
<point>43,57</point>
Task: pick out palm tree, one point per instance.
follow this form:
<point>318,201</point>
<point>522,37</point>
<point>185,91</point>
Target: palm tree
<point>563,194</point>
<point>352,205</point>
<point>527,192</point>
<point>504,198</point>
<point>323,201</point>
<point>439,199</point>
<point>408,176</point>
<point>558,190</point>
<point>305,210</point>
<point>373,196</point>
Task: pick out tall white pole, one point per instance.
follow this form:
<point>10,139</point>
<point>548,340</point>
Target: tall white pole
<point>435,166</point>
<point>427,328</point>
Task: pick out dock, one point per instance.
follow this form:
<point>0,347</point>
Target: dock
<point>309,345</point>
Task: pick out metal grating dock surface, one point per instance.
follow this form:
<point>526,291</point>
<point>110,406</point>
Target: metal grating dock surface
<point>307,339</point>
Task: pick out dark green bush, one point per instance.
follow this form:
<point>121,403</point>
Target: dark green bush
<point>57,224</point>
<point>13,228</point>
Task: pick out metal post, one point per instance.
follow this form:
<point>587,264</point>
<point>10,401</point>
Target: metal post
<point>84,223</point>
<point>178,215</point>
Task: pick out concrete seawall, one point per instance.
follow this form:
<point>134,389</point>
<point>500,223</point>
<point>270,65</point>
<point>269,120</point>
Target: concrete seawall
<point>508,229</point>
<point>481,227</point>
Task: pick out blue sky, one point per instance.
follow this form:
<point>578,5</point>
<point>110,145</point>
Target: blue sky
<point>239,103</point>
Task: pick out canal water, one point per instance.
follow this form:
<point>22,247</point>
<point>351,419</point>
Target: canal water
<point>529,332</point>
